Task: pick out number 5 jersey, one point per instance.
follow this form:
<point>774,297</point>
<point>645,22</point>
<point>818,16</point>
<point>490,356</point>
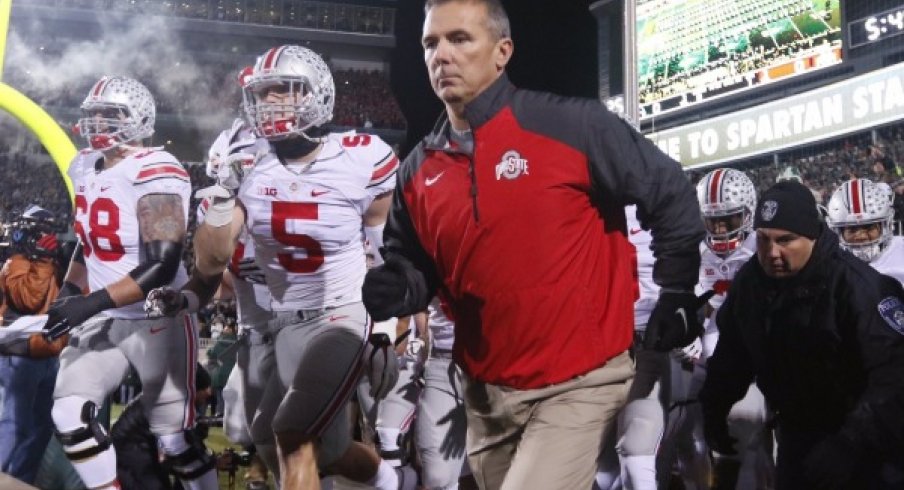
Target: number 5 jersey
<point>306,220</point>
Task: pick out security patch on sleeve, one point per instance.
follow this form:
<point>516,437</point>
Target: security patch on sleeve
<point>892,310</point>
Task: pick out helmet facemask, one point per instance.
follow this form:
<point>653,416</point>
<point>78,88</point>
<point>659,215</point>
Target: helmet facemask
<point>280,109</point>
<point>865,240</point>
<point>860,212</point>
<point>726,230</point>
<point>106,126</point>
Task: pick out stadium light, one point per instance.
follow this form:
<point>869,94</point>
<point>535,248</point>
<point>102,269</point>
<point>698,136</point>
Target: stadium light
<point>31,115</point>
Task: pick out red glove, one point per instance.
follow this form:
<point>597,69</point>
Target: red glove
<point>47,243</point>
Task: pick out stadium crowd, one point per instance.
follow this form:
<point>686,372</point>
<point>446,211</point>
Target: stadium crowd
<point>291,13</point>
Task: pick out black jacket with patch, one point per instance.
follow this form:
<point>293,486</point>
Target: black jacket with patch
<point>825,347</point>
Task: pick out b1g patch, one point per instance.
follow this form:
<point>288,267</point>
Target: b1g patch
<point>892,310</point>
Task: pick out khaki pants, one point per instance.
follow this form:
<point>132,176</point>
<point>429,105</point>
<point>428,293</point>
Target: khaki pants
<point>548,438</point>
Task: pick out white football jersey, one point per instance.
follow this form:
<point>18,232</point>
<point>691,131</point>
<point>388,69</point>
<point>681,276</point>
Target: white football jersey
<point>649,290</point>
<point>442,329</point>
<point>891,261</point>
<point>306,221</point>
<point>716,273</point>
<point>106,220</point>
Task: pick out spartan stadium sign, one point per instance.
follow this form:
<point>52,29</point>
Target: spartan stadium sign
<point>844,107</point>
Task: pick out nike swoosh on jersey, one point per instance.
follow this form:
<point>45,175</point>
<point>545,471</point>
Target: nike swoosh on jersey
<point>635,231</point>
<point>157,330</point>
<point>316,193</point>
<point>432,180</point>
<point>336,318</point>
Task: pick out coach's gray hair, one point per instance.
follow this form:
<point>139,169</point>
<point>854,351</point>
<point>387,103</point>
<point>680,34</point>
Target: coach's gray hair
<point>497,19</point>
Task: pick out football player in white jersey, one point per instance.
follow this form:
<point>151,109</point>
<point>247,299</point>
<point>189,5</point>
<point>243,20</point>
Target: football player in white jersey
<point>131,212</point>
<point>727,200</point>
<point>255,356</point>
<point>861,213</point>
<point>642,419</point>
<point>441,424</point>
<point>391,419</point>
<point>308,201</point>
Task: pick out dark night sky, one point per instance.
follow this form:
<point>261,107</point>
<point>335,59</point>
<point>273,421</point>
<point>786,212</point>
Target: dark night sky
<point>555,50</point>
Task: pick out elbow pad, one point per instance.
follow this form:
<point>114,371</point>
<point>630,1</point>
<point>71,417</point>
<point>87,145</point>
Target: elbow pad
<point>161,263</point>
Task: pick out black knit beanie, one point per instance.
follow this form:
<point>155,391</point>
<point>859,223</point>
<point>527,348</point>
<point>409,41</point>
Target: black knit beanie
<point>788,205</point>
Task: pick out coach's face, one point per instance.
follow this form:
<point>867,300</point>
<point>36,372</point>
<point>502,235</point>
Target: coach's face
<point>462,54</point>
<point>782,253</point>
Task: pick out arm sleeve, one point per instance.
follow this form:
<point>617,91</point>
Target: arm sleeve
<point>400,238</point>
<point>29,284</point>
<point>629,167</point>
<point>876,423</point>
<point>729,371</point>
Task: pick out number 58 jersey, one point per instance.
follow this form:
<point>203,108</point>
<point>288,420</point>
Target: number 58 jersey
<point>307,221</point>
<point>106,213</point>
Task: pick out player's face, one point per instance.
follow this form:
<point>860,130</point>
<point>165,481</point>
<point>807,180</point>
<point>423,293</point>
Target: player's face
<point>782,253</point>
<point>723,224</point>
<point>102,117</point>
<point>282,95</point>
<point>862,234</point>
<point>463,56</point>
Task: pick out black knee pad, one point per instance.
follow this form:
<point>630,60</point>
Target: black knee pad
<point>191,463</point>
<point>405,442</point>
<point>92,430</point>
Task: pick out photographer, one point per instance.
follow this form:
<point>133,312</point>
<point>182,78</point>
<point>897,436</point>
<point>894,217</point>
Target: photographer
<point>138,463</point>
<point>29,284</point>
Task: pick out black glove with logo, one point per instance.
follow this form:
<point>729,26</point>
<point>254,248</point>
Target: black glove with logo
<point>674,323</point>
<point>394,289</point>
<point>381,365</point>
<point>831,463</point>
<point>72,311</point>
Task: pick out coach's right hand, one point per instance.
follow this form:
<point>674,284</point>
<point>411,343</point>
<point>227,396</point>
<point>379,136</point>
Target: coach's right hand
<point>394,289</point>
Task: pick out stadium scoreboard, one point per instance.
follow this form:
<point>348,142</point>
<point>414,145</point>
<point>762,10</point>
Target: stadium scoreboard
<point>876,27</point>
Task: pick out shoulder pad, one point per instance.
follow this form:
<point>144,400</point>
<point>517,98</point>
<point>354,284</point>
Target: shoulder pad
<point>155,165</point>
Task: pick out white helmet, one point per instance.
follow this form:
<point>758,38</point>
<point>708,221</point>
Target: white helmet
<point>118,110</point>
<point>726,195</point>
<point>310,87</point>
<point>859,203</point>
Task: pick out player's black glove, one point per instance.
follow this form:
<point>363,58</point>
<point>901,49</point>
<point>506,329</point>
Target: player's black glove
<point>381,365</point>
<point>831,463</point>
<point>715,431</point>
<point>72,311</point>
<point>674,322</point>
<point>248,271</point>
<point>394,289</point>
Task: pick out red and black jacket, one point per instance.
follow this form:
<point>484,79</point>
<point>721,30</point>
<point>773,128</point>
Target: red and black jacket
<point>525,237</point>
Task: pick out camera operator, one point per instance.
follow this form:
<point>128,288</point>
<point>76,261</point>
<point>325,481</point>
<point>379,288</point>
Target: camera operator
<point>29,282</point>
<point>138,463</point>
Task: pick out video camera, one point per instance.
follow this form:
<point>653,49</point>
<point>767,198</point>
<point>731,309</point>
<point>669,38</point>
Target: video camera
<point>22,233</point>
<point>230,460</point>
